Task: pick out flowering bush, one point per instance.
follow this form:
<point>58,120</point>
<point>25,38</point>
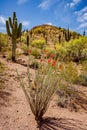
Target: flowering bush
<point>38,43</point>
<point>41,89</point>
<point>77,49</point>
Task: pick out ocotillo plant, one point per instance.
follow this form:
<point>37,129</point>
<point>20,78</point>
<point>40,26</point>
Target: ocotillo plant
<point>14,31</point>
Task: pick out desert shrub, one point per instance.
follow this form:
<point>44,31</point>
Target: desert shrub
<point>3,42</point>
<point>70,97</point>
<point>39,92</point>
<point>76,49</point>
<point>25,48</point>
<point>36,53</point>
<point>82,78</point>
<point>38,30</point>
<point>23,38</point>
<point>60,51</point>
<point>2,69</point>
<point>49,52</point>
<point>39,43</point>
<point>84,65</point>
<point>69,72</point>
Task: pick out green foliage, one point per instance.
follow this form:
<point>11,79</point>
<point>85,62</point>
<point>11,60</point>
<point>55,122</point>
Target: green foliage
<point>3,42</point>
<point>82,79</point>
<point>2,69</point>
<point>76,49</point>
<point>60,51</point>
<point>14,31</point>
<point>25,48</point>
<point>36,53</point>
<point>39,43</point>
<point>38,30</point>
<point>23,39</point>
<point>69,72</point>
<point>84,65</point>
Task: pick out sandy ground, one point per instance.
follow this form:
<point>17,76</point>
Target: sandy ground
<point>15,113</point>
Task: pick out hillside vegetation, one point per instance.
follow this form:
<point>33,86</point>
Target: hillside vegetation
<point>52,34</point>
<point>58,57</point>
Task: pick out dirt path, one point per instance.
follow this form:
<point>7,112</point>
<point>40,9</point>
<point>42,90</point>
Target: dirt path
<point>15,113</point>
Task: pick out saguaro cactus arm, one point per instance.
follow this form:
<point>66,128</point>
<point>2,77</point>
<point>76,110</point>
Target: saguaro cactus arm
<point>8,28</point>
<point>10,22</point>
<point>19,30</point>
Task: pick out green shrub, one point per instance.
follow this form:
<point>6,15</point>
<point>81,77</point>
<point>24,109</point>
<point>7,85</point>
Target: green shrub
<point>3,43</point>
<point>2,69</point>
<point>23,38</point>
<point>82,79</point>
<point>69,72</point>
<point>39,43</point>
<point>60,51</point>
<point>25,48</point>
<point>36,53</point>
<point>77,49</point>
<point>38,30</point>
<point>84,65</point>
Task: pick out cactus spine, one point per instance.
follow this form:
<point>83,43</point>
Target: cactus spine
<point>14,31</point>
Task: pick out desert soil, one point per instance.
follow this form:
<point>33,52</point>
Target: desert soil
<point>15,113</point>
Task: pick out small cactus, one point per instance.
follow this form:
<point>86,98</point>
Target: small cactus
<point>67,35</point>
<point>14,31</point>
<point>27,40</point>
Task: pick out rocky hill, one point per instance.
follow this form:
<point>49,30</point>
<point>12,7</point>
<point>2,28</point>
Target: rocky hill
<point>52,34</point>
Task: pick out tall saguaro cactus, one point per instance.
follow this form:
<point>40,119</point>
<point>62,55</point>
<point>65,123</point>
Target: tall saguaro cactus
<point>14,31</point>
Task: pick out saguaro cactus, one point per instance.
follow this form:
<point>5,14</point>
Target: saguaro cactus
<point>67,35</point>
<point>14,31</point>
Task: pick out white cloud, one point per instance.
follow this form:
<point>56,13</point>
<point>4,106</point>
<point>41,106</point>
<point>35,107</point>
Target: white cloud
<point>83,25</point>
<point>45,4</point>
<point>49,23</point>
<point>25,23</point>
<point>82,11</point>
<point>2,20</point>
<point>73,3</point>
<point>82,17</point>
<point>22,1</point>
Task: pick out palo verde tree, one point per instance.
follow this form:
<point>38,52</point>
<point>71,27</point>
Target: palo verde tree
<point>14,31</point>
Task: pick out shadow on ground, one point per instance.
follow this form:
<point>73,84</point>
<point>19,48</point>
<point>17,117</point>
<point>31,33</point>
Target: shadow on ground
<point>61,124</point>
<point>4,97</point>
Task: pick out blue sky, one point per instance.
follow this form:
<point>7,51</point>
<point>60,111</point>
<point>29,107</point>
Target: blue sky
<point>63,13</point>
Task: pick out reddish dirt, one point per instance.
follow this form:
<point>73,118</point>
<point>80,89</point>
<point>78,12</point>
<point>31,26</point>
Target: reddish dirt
<point>15,113</point>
